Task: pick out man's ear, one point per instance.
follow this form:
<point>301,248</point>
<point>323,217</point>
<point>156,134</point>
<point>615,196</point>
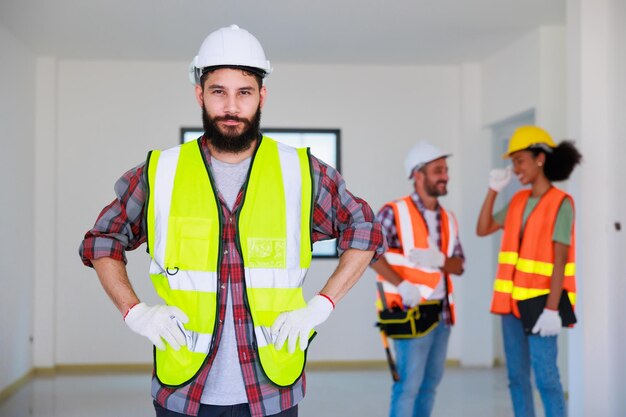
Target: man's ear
<point>263,93</point>
<point>199,97</point>
<point>418,178</point>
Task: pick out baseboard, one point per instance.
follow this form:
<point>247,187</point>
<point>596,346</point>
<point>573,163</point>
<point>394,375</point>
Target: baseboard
<point>369,365</point>
<point>345,365</point>
<point>115,368</point>
<point>85,369</point>
<point>146,368</point>
<point>453,363</point>
<point>99,369</point>
<point>14,387</point>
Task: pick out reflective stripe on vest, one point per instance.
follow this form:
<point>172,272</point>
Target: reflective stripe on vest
<point>527,273</point>
<point>413,233</point>
<point>184,240</point>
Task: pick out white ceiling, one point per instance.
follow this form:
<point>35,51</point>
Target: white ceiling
<point>323,31</point>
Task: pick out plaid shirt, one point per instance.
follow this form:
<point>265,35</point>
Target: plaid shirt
<point>386,217</point>
<point>336,214</point>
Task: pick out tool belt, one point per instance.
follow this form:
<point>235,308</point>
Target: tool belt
<point>414,322</point>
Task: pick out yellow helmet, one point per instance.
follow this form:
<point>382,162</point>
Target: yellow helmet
<point>526,137</point>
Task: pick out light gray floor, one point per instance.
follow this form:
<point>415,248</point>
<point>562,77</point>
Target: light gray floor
<point>463,392</point>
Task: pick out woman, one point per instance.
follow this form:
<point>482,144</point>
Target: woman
<point>536,258</point>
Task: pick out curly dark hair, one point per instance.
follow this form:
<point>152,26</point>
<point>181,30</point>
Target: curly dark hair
<point>561,161</point>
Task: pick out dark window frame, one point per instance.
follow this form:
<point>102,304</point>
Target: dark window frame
<point>268,131</point>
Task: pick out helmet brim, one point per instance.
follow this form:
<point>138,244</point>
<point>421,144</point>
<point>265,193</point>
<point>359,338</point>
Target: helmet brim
<point>256,71</point>
<point>543,146</point>
<point>423,164</point>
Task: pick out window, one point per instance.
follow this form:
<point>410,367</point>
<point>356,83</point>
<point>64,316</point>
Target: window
<point>324,144</point>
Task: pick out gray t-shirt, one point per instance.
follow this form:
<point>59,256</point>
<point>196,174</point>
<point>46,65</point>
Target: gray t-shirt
<point>229,178</point>
<point>224,385</point>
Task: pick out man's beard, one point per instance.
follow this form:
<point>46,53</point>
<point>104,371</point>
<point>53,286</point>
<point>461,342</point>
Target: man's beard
<point>229,140</point>
<point>432,188</point>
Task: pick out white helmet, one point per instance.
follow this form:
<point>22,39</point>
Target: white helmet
<point>229,47</point>
<point>421,154</point>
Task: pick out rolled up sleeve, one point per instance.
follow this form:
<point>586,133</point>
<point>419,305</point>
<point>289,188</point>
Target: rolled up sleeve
<point>119,227</point>
<point>339,214</point>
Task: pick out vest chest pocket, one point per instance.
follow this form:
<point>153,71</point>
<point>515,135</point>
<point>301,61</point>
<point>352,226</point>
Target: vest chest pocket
<point>192,243</point>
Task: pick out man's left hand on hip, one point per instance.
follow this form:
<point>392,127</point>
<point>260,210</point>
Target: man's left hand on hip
<point>297,324</point>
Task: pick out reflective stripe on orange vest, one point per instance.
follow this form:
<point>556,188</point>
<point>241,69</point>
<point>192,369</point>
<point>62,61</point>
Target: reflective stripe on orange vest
<point>526,262</point>
<point>413,233</point>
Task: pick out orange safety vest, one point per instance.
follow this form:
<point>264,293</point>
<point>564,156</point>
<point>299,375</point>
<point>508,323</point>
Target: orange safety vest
<point>413,233</point>
<point>526,261</point>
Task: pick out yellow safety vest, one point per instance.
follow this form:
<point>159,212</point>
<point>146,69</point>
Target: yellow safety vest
<point>184,224</point>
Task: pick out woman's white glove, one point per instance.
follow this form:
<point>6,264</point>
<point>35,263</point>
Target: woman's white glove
<point>158,323</point>
<point>548,323</point>
<point>297,324</point>
<point>410,294</point>
<point>499,178</point>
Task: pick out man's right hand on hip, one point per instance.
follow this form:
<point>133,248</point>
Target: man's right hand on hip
<point>410,294</point>
<point>158,323</point>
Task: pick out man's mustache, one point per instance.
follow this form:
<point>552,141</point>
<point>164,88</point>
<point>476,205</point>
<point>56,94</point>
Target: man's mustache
<point>231,118</point>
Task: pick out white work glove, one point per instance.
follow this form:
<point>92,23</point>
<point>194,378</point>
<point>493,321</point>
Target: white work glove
<point>499,178</point>
<point>430,257</point>
<point>158,323</point>
<point>410,294</point>
<point>548,323</point>
<point>295,324</point>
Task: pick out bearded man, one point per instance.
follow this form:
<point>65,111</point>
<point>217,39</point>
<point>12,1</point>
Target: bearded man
<point>424,249</point>
<point>230,220</point>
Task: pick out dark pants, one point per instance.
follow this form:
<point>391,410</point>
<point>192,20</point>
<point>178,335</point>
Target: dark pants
<point>238,410</point>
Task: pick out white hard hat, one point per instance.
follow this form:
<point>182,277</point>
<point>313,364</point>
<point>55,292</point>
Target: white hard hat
<point>421,154</point>
<point>229,47</point>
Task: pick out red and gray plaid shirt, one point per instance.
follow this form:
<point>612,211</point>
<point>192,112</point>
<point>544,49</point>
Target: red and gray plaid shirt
<point>337,214</point>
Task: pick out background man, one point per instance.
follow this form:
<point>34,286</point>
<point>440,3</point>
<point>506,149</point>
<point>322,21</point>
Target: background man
<point>424,249</point>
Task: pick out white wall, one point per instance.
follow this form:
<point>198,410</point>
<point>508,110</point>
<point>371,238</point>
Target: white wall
<point>111,113</point>
<point>475,323</point>
<point>551,107</point>
<point>597,105</point>
<point>528,74</point>
<point>512,79</point>
<point>525,75</point>
<point>618,203</point>
<point>17,111</point>
<point>45,212</point>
